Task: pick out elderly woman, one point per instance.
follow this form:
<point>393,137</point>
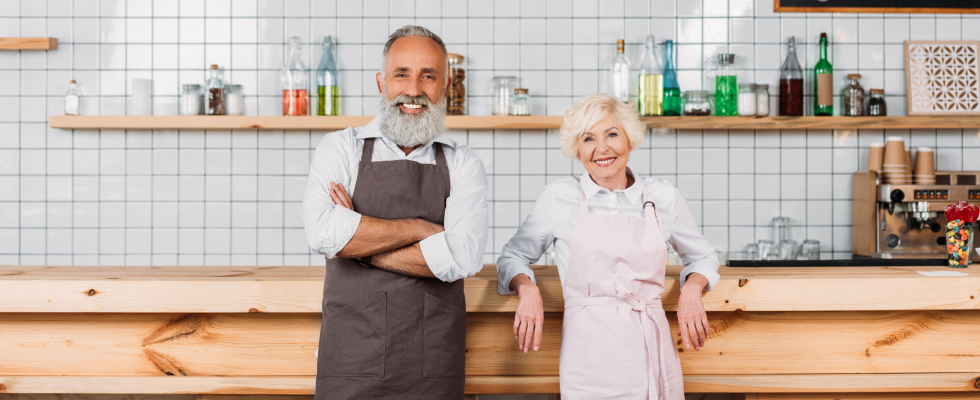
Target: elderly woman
<point>608,228</point>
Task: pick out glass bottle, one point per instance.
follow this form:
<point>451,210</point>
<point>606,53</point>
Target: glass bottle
<point>650,85</point>
<point>726,86</point>
<point>621,74</point>
<point>876,104</point>
<point>791,83</point>
<point>852,97</point>
<point>327,91</point>
<point>522,102</point>
<point>823,82</point>
<point>71,99</point>
<point>295,100</point>
<point>216,93</point>
<point>503,94</point>
<point>456,98</point>
<point>672,90</point>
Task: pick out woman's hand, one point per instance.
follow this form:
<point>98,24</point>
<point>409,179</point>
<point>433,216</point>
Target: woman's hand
<point>339,196</point>
<point>691,318</point>
<point>529,318</point>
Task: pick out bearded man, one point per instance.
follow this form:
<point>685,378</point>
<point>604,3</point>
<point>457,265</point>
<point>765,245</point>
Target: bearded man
<point>400,212</point>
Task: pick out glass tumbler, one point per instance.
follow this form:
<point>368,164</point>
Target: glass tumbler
<point>788,250</point>
<point>780,229</point>
<point>959,243</point>
<point>766,250</point>
<point>810,250</point>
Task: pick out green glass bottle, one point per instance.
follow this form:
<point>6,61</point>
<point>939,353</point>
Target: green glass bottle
<point>672,90</point>
<point>823,82</point>
<point>726,86</point>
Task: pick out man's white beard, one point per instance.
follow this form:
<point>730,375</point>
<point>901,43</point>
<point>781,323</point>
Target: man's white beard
<point>412,130</point>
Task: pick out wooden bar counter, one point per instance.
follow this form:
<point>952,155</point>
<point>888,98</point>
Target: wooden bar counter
<point>223,332</point>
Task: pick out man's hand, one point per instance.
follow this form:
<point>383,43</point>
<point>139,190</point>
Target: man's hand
<point>340,197</point>
<point>376,235</point>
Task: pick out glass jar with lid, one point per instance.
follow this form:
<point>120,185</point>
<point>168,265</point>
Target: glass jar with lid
<point>876,104</point>
<point>852,97</point>
<point>522,103</point>
<point>747,100</point>
<point>192,100</point>
<point>503,94</point>
<point>762,100</point>
<point>234,100</point>
<point>456,98</point>
<point>696,103</point>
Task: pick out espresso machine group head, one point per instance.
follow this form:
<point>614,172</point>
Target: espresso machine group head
<point>905,220</point>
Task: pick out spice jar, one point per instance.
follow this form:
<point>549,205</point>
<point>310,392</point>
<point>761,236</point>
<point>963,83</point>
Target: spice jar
<point>852,97</point>
<point>234,101</point>
<point>747,100</point>
<point>191,100</point>
<point>71,99</point>
<point>876,104</point>
<point>522,103</point>
<point>762,100</point>
<point>456,99</point>
<point>696,103</point>
<point>503,94</point>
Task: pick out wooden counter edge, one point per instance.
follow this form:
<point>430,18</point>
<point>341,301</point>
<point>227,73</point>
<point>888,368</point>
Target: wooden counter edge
<point>303,385</point>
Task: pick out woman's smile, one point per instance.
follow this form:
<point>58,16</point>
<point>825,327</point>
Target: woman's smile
<point>605,162</point>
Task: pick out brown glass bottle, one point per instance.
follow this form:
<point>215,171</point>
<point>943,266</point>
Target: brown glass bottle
<point>791,84</point>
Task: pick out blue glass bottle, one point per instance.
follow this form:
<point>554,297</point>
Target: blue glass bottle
<point>327,91</point>
<point>672,90</point>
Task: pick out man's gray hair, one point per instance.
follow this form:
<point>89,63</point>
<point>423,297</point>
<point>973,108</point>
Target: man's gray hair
<point>412,30</point>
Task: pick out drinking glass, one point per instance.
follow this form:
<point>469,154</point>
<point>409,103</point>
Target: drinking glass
<point>780,229</point>
<point>788,249</point>
<point>752,251</point>
<point>810,250</point>
<point>766,250</point>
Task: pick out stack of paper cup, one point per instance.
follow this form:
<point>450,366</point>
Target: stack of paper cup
<point>908,165</point>
<point>876,155</point>
<point>893,166</point>
<point>925,166</point>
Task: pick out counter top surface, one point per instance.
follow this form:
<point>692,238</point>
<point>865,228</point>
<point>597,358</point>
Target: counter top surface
<point>299,289</point>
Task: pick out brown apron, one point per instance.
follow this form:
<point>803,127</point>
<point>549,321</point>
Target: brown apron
<point>385,335</point>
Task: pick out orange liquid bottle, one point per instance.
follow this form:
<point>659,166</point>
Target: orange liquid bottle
<point>295,102</point>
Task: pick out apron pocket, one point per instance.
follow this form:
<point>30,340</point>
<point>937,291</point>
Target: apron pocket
<point>353,339</point>
<point>443,340</point>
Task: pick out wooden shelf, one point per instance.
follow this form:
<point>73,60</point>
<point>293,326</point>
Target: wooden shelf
<point>282,123</point>
<point>35,43</point>
<point>506,122</point>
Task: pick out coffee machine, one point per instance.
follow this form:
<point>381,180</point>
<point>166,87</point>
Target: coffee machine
<point>906,220</point>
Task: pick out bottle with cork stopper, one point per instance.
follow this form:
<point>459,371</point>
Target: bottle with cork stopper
<point>71,99</point>
<point>215,95</point>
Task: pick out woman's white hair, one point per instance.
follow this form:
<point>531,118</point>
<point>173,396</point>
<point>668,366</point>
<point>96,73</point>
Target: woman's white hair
<point>592,109</point>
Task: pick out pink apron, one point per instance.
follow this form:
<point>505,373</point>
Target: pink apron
<point>615,340</point>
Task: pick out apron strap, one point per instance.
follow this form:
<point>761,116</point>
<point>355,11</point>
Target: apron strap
<point>440,155</point>
<point>648,322</point>
<point>368,152</point>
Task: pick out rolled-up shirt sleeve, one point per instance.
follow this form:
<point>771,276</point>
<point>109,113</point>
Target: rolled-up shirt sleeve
<point>329,228</point>
<point>695,251</point>
<point>528,244</point>
<point>457,252</point>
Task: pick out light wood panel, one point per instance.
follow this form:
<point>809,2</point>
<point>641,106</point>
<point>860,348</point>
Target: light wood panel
<point>868,396</point>
<point>32,289</point>
<point>505,122</point>
<point>28,43</point>
<point>283,344</point>
<point>832,383</point>
<point>158,385</point>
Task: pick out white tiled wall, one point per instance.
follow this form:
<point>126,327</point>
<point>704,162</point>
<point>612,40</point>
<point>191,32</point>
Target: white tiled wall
<point>219,197</point>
